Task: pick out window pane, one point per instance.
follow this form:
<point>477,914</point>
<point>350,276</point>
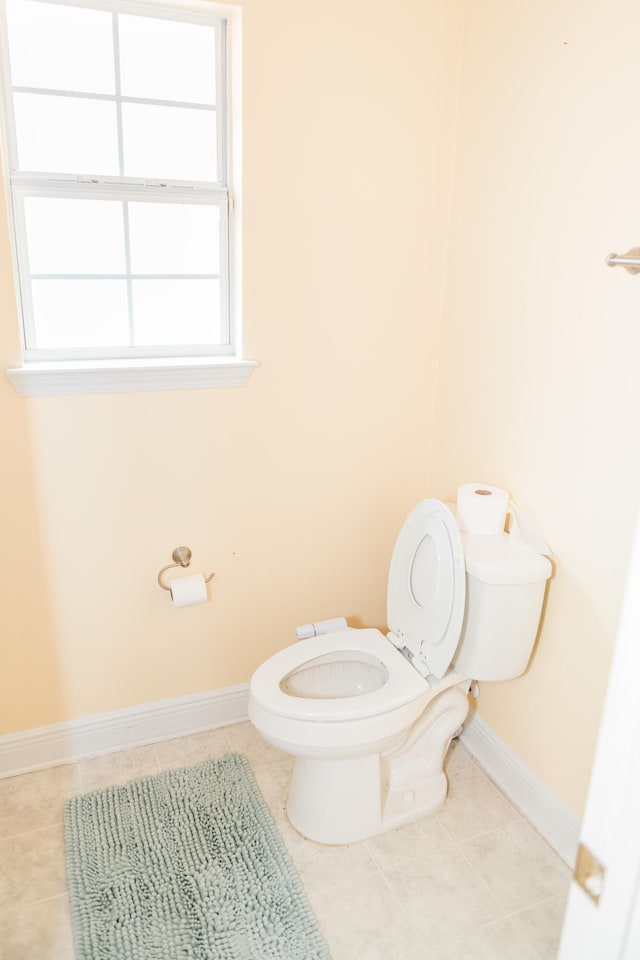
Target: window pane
<point>66,134</point>
<point>176,312</point>
<point>74,236</point>
<point>167,60</point>
<point>80,313</point>
<point>174,238</point>
<point>171,142</point>
<point>60,48</point>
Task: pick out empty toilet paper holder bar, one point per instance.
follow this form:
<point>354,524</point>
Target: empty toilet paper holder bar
<point>181,557</point>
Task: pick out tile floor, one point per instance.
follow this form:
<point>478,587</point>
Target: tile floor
<point>473,882</point>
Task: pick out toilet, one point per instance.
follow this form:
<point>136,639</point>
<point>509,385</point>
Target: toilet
<point>369,717</point>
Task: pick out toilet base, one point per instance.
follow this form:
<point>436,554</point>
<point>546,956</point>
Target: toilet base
<point>337,801</point>
<point>331,805</point>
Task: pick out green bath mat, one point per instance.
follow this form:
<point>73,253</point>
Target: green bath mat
<point>187,865</point>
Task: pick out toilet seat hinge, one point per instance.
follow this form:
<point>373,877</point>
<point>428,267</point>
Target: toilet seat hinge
<point>423,669</point>
<point>416,662</point>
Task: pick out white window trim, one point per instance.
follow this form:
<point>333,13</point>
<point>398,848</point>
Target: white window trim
<point>126,376</point>
<point>44,378</point>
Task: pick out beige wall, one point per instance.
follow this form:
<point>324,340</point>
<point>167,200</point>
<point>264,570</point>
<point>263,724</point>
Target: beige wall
<point>292,488</point>
<point>539,387</point>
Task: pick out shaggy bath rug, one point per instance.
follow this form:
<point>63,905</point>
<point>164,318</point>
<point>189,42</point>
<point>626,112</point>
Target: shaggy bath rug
<point>187,865</point>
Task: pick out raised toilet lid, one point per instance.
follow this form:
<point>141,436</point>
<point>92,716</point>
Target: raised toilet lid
<point>426,588</point>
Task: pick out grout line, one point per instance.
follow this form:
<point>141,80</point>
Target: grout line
<point>484,775</point>
<point>6,912</point>
<point>489,831</point>
<point>365,844</point>
<point>447,832</point>
<point>351,878</point>
<point>483,881</point>
<point>554,896</point>
<point>453,842</point>
<point>539,903</point>
<point>410,858</point>
<point>508,913</point>
<point>462,936</point>
<point>402,910</point>
<point>492,923</point>
<point>157,758</point>
<point>228,742</point>
<point>81,777</point>
<point>26,833</point>
<point>323,890</point>
<point>493,897</point>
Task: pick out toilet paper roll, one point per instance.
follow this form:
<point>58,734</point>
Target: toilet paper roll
<point>320,627</point>
<point>482,509</point>
<point>186,591</point>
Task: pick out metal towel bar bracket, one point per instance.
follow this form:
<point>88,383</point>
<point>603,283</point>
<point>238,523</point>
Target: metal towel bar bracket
<point>629,260</point>
<point>182,558</point>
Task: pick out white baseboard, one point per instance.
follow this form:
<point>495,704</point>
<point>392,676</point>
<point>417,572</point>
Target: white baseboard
<point>548,814</point>
<point>102,733</point>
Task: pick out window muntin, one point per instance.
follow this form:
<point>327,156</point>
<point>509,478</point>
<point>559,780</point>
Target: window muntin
<point>118,163</point>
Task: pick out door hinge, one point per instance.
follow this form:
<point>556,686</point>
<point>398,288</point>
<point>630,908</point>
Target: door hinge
<point>589,873</point>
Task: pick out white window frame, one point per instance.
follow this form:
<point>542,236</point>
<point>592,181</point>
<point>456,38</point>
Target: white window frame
<point>107,370</point>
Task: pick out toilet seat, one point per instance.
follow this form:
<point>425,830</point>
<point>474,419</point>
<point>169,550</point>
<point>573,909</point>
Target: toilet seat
<point>427,586</point>
<point>403,684</point>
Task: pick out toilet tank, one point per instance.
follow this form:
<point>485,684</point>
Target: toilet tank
<point>505,592</point>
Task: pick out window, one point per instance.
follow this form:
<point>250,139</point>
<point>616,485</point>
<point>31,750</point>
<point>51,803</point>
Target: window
<point>118,150</point>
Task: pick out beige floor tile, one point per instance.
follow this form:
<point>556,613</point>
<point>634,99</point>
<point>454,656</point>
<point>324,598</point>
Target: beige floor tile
<point>405,843</point>
<point>244,738</point>
<point>457,758</point>
<point>116,769</point>
<point>541,925</point>
<point>187,751</point>
<point>499,941</point>
<point>517,865</point>
<point>473,805</point>
<point>273,782</point>
<point>320,865</point>
<point>32,867</point>
<point>34,800</point>
<point>41,931</point>
<point>442,896</point>
<point>363,921</point>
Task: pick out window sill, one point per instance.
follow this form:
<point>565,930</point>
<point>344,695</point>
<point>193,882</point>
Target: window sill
<point>124,376</point>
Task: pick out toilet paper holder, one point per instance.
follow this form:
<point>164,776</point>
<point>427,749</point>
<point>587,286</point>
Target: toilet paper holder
<point>181,557</point>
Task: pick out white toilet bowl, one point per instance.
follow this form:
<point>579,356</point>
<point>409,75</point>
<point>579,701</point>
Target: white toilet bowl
<point>337,695</point>
<point>369,718</point>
